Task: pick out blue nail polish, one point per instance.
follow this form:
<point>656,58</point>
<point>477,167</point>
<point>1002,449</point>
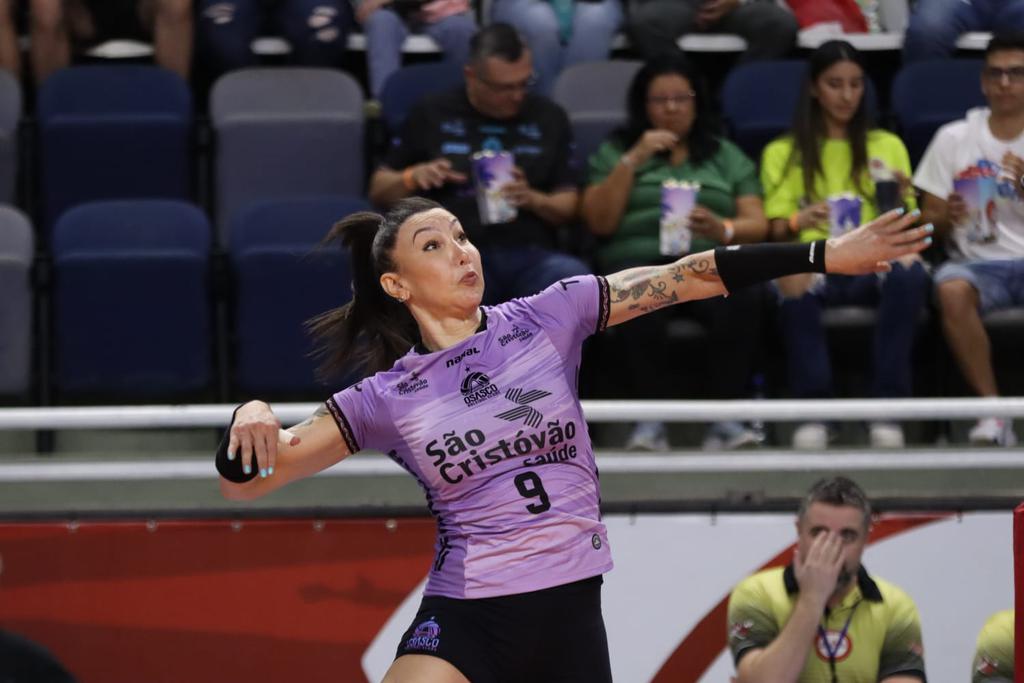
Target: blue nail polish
<point>900,211</point>
<point>927,240</point>
<point>929,227</point>
<point>246,469</point>
<point>270,471</point>
<point>231,456</point>
<point>915,212</point>
<point>263,474</point>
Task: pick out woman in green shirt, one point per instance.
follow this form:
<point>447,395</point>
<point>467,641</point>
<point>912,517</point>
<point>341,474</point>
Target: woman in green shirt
<point>670,136</point>
<point>834,158</point>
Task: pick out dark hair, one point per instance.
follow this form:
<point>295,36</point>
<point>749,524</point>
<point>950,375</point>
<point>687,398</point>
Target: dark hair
<point>1005,41</point>
<point>496,40</point>
<point>703,142</point>
<point>809,122</point>
<point>837,491</point>
<point>372,330</point>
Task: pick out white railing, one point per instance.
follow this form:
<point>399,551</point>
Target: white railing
<point>186,416</point>
<point>764,460</point>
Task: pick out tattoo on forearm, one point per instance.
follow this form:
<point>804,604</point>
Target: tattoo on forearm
<point>650,288</point>
<point>320,411</point>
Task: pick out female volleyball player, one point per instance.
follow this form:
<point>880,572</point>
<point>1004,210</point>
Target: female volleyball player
<point>480,405</point>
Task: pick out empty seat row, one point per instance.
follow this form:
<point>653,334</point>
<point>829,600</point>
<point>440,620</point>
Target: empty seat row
<point>133,303</point>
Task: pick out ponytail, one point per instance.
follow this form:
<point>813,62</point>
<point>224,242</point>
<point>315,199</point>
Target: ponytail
<point>372,330</point>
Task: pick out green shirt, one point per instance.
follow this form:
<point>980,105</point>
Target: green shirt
<point>783,177</point>
<point>993,659</point>
<point>728,174</point>
<point>883,636</point>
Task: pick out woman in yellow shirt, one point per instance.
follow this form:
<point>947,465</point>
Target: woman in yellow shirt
<point>832,168</point>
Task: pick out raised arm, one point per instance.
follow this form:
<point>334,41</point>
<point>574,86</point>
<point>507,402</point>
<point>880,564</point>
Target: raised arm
<point>257,445</point>
<point>867,249</point>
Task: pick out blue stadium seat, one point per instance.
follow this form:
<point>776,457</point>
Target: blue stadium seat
<point>10,114</point>
<point>131,300</point>
<point>760,98</point>
<point>926,95</point>
<point>284,133</point>
<point>281,281</point>
<point>113,132</point>
<point>16,254</point>
<point>410,84</point>
<point>593,95</point>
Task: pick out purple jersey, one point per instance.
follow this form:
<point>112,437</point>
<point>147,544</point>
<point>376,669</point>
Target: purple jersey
<point>493,430</point>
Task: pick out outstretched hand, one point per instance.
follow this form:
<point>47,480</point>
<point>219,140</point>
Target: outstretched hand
<point>871,247</point>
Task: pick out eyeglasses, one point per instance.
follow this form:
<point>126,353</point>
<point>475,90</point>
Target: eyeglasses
<point>509,88</point>
<point>678,100</point>
<point>1015,74</point>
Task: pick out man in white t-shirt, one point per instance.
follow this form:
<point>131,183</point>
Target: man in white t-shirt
<point>972,179</point>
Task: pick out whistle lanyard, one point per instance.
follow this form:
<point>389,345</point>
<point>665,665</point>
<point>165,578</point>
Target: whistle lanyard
<point>833,651</point>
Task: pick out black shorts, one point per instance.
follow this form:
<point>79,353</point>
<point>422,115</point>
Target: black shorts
<point>555,635</point>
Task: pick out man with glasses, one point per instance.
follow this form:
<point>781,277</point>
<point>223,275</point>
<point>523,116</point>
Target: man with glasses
<point>972,183</point>
<point>861,629</point>
<point>494,112</point>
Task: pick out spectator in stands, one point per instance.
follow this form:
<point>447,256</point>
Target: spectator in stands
<point>494,112</point>
<point>993,658</point>
<point>561,33</point>
<point>387,23</point>
<point>59,26</point>
<point>833,157</point>
<point>935,25</point>
<point>10,52</point>
<point>985,244</point>
<point>656,25</point>
<point>316,30</point>
<point>670,135</point>
<point>859,627</point>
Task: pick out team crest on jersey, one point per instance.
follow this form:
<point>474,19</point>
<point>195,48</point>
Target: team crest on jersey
<point>523,411</point>
<point>831,642</point>
<point>477,387</point>
<point>427,636</point>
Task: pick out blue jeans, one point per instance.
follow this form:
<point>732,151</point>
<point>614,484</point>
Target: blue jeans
<point>899,296</point>
<point>386,31</point>
<point>1000,284</point>
<point>593,28</point>
<point>316,30</point>
<point>935,25</point>
<point>511,272</point>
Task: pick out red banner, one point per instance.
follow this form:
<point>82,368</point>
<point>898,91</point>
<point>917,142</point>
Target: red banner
<point>192,601</point>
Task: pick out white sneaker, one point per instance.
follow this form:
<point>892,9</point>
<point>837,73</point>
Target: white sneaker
<point>993,431</point>
<point>886,435</point>
<point>811,436</point>
<point>728,436</point>
<point>648,436</point>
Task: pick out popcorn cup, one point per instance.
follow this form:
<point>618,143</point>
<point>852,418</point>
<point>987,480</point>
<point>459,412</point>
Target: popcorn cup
<point>677,201</point>
<point>492,171</point>
<point>844,213</point>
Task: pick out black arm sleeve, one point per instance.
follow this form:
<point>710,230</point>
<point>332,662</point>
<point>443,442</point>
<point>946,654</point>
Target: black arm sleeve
<point>741,266</point>
<point>231,469</point>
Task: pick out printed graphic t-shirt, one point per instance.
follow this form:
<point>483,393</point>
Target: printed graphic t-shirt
<point>493,431</point>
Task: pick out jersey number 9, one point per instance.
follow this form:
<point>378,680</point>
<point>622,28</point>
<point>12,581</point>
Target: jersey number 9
<point>529,485</point>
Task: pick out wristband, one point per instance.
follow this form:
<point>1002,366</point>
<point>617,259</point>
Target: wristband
<point>730,231</point>
<point>408,180</point>
<point>627,161</point>
<point>232,469</point>
<point>741,266</point>
<point>794,222</point>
